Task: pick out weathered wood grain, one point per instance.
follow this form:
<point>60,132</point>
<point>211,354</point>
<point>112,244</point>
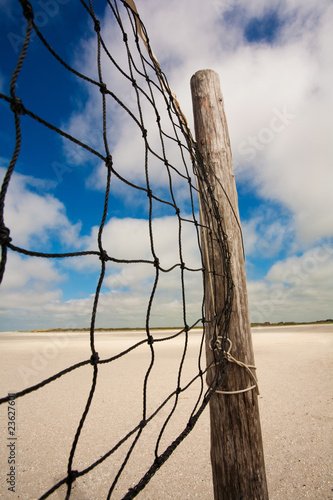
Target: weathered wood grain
<point>236,443</point>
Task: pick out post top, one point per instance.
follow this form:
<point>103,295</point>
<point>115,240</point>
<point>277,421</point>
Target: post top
<point>205,73</point>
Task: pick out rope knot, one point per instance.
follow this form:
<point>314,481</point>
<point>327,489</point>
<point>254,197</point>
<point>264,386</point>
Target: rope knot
<point>143,424</point>
<point>72,475</point>
<point>97,26</point>
<point>4,236</point>
<point>27,10</point>
<point>103,256</point>
<point>156,263</point>
<point>150,340</point>
<point>125,38</point>
<point>109,161</point>
<point>94,358</point>
<point>16,106</point>
<point>103,88</point>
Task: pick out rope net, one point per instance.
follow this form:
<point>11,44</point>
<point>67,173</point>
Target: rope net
<point>165,173</point>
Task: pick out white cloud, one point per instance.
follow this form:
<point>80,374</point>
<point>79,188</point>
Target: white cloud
<point>130,285</point>
<point>295,289</point>
<point>264,235</point>
<point>36,220</point>
<point>123,133</point>
<point>21,270</point>
<point>296,271</point>
<point>276,99</point>
<point>128,276</point>
<point>273,96</point>
<point>34,216</point>
<point>28,286</point>
<point>292,163</point>
<point>129,239</point>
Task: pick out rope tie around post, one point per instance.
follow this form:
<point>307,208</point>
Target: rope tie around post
<point>228,356</point>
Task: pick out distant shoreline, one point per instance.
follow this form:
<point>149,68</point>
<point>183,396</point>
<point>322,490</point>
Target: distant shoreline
<point>253,325</point>
<point>294,323</point>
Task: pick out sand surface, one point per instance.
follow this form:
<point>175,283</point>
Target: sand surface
<point>294,366</point>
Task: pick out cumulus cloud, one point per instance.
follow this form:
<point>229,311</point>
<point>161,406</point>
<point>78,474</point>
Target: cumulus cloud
<point>297,288</point>
<point>29,286</point>
<point>276,95</point>
<point>276,91</point>
<point>127,288</point>
<point>37,221</point>
<point>20,271</point>
<point>265,236</point>
<point>35,217</point>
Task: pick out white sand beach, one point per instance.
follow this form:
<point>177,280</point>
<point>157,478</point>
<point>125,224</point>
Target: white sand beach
<point>294,367</point>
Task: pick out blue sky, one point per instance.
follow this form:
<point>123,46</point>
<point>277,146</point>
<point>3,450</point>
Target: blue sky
<point>275,66</point>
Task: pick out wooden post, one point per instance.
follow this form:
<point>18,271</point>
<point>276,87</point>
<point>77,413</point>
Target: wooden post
<point>236,443</point>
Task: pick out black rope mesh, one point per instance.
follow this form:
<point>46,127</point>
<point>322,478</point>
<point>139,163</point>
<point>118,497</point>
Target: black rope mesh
<point>175,135</point>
